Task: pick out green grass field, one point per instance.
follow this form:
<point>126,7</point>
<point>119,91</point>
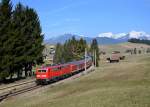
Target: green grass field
<point>123,84</point>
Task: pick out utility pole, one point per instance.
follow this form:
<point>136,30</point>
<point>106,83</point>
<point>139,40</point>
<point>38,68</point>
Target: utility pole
<point>85,58</point>
<point>95,58</point>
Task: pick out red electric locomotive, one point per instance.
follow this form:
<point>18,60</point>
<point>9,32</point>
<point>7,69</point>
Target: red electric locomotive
<point>46,74</point>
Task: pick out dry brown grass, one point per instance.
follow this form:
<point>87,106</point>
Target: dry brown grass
<point>123,47</point>
<point>124,84</point>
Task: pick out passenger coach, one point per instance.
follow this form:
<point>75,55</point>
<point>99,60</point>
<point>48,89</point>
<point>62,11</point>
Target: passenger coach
<point>44,75</point>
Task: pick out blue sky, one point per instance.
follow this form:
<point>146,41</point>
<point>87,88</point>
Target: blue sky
<point>91,17</point>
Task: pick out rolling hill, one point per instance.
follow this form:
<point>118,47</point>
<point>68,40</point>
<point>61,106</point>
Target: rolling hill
<point>122,47</point>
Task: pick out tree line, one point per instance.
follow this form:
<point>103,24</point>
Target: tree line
<point>138,51</point>
<point>73,50</point>
<point>134,40</point>
<point>20,39</point>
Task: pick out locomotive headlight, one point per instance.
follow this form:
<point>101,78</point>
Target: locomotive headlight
<point>37,75</point>
<point>43,75</point>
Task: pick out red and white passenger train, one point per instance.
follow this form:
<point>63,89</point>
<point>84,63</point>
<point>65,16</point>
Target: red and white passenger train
<point>44,75</point>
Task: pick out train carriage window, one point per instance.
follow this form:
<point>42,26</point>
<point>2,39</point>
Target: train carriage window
<point>60,68</point>
<point>64,66</point>
<point>57,69</point>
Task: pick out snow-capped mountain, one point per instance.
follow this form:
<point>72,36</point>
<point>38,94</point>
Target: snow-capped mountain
<point>102,38</point>
<point>111,35</point>
<point>139,35</point>
<point>132,34</point>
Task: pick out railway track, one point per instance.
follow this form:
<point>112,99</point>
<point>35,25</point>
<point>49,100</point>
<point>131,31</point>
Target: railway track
<point>15,92</point>
<point>23,83</point>
<point>31,87</point>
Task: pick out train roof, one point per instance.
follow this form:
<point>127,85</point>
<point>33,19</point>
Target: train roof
<point>52,66</point>
<point>59,65</point>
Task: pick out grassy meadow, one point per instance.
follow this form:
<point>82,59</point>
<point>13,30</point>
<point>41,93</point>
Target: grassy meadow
<point>123,84</point>
<point>122,47</point>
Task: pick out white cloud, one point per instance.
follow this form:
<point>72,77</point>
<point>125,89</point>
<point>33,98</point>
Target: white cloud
<point>68,6</point>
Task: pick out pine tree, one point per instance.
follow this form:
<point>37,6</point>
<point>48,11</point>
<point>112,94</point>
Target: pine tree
<point>72,50</point>
<point>95,52</point>
<point>135,51</point>
<point>67,53</point>
<point>20,39</point>
<point>5,38</point>
<point>81,47</point>
<point>19,43</point>
<point>33,38</point>
<point>72,46</point>
<point>28,45</point>
<point>58,54</point>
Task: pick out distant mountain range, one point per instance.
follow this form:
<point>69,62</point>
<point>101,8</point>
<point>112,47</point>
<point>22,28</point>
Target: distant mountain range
<point>103,38</point>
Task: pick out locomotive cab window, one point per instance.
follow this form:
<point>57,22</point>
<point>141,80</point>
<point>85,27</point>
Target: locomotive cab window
<point>41,70</point>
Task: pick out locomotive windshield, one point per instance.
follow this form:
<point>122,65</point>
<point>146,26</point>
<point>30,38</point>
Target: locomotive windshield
<point>41,70</point>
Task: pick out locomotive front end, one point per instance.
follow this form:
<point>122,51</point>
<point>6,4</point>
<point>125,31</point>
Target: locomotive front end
<point>42,76</point>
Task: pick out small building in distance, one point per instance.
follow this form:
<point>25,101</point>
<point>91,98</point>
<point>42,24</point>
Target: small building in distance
<point>48,54</point>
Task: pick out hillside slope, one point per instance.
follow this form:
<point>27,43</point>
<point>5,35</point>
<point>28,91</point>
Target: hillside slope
<point>122,47</point>
<point>124,84</point>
